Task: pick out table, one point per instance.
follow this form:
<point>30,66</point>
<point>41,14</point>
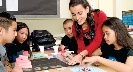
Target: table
<point>67,70</point>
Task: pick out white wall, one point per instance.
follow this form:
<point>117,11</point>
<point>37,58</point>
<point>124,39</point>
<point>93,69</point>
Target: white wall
<point>96,3</point>
<point>54,26</point>
<point>117,8</point>
<point>127,5</point>
<point>64,9</point>
<point>107,7</point>
<point>104,5</point>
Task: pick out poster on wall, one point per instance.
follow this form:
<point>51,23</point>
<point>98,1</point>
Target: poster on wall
<point>127,18</point>
<point>11,5</point>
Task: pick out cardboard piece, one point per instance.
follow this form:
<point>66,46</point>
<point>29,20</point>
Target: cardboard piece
<point>23,62</point>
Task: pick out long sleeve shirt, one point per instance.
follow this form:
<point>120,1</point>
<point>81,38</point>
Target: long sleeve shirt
<point>95,43</point>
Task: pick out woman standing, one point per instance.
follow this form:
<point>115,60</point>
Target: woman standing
<point>86,28</point>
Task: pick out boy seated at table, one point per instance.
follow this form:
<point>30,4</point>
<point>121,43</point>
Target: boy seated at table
<point>20,43</point>
<point>68,41</point>
<point>8,27</point>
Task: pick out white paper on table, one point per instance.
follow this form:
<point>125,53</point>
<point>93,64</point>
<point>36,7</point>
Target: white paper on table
<point>0,2</point>
<point>11,5</point>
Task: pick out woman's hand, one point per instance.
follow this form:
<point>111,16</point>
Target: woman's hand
<point>75,60</point>
<point>67,56</point>
<point>89,60</point>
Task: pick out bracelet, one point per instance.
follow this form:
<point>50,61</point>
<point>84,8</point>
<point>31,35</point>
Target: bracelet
<point>81,55</point>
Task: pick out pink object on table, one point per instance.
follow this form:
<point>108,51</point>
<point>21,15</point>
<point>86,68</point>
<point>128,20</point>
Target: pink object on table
<point>63,51</point>
<point>23,62</point>
<point>25,53</point>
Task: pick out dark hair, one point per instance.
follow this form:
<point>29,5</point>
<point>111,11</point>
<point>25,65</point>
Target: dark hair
<point>6,20</point>
<point>5,23</point>
<point>21,25</point>
<point>89,18</point>
<point>123,37</point>
<point>67,20</point>
<point>8,16</point>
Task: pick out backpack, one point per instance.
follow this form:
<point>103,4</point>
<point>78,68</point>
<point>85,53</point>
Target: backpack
<point>43,38</point>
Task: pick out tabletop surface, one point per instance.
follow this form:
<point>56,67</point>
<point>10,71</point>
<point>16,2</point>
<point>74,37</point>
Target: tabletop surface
<point>67,70</point>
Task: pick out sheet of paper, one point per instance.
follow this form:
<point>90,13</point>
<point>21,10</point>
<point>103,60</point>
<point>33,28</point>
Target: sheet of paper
<point>34,56</point>
<point>0,2</point>
<point>92,69</point>
<point>11,5</point>
<point>38,55</point>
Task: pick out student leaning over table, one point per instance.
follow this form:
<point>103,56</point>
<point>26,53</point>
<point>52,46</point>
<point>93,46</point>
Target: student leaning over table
<point>86,28</point>
<point>8,28</point>
<point>20,43</point>
<point>118,52</point>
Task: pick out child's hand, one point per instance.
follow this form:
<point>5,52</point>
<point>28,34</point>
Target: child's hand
<point>89,60</point>
<point>61,47</point>
<point>17,69</point>
<point>8,68</point>
<point>76,59</point>
<point>68,56</point>
<point>97,64</point>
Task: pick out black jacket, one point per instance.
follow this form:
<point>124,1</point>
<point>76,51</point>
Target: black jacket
<point>15,47</point>
<point>70,43</point>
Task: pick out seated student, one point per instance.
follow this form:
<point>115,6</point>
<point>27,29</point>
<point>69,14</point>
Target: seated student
<point>68,41</point>
<point>118,52</point>
<point>7,34</point>
<point>20,43</point>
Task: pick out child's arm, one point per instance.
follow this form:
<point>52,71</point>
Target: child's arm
<point>7,64</point>
<point>118,66</point>
<point>97,52</point>
<point>17,69</point>
<point>61,47</point>
<point>63,42</point>
<point>30,52</point>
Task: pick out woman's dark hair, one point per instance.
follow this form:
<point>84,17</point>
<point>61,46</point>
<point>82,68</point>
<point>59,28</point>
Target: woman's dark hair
<point>123,37</point>
<point>89,19</point>
<point>21,25</point>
